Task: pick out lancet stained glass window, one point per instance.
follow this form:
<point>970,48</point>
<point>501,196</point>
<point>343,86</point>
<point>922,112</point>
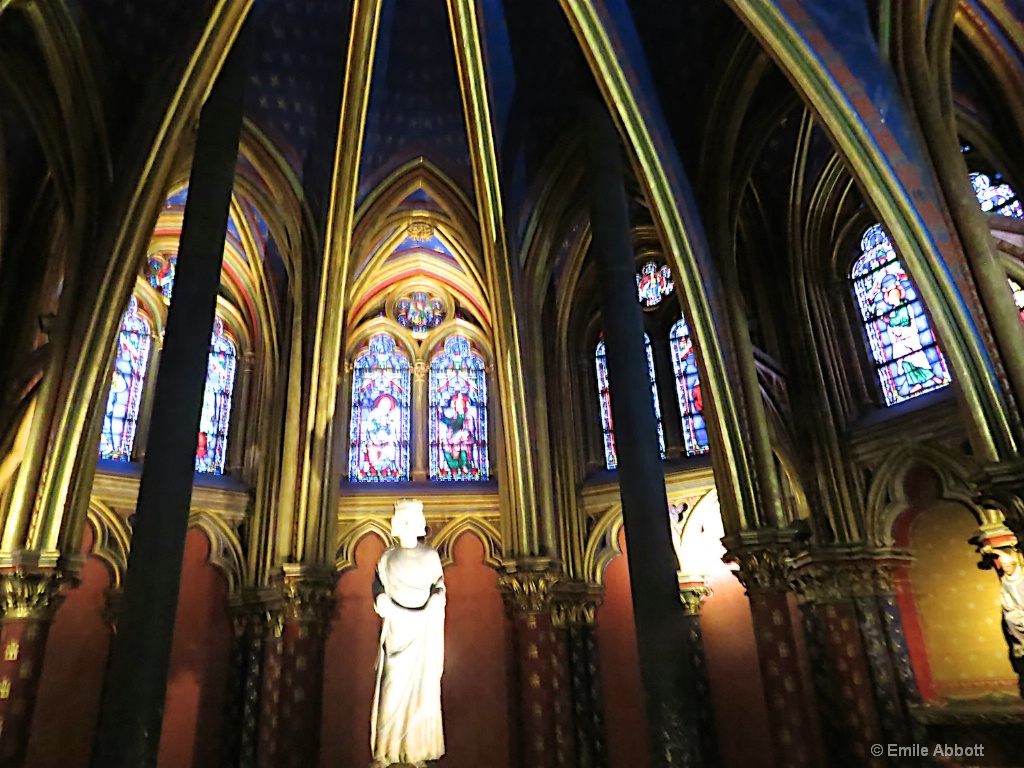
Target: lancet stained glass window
<point>458,413</point>
<point>379,431</point>
<point>907,358</point>
<point>129,377</point>
<point>653,283</point>
<point>212,447</point>
<point>611,459</point>
<point>691,404</point>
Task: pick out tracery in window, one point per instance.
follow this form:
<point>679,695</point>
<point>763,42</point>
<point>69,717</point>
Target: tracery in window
<point>458,413</point>
<point>212,447</point>
<point>125,395</point>
<point>907,358</point>
<point>605,402</point>
<point>420,312</point>
<point>653,283</point>
<point>379,430</point>
<point>691,404</point>
<point>996,198</point>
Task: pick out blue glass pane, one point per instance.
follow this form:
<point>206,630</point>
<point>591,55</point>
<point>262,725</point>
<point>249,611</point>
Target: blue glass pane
<point>212,447</point>
<point>125,395</point>
<point>458,413</point>
<point>691,404</point>
<point>996,198</point>
<point>379,433</point>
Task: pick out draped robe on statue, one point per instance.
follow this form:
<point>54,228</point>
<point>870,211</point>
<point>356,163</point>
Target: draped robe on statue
<point>405,724</point>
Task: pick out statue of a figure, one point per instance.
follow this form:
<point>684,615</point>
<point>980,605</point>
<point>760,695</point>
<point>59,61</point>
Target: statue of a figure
<point>409,595</point>
<point>1011,597</point>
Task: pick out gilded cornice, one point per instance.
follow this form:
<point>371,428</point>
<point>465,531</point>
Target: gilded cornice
<point>841,575</point>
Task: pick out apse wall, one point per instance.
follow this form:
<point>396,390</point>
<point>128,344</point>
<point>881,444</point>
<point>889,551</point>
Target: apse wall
<point>474,689</point>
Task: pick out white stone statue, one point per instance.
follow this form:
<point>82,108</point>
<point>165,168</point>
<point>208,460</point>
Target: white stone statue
<point>409,595</point>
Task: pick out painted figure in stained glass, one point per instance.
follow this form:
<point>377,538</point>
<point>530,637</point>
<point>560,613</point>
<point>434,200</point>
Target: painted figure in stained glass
<point>653,283</point>
<point>996,198</point>
<point>211,449</point>
<point>379,450</point>
<point>125,394</point>
<point>908,359</point>
<point>458,413</point>
<point>691,404</point>
<point>419,312</point>
<point>611,459</point>
<point>161,272</point>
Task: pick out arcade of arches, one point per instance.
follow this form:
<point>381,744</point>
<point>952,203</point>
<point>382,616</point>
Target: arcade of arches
<point>696,327</point>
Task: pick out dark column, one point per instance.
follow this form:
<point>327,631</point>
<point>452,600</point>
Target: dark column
<point>243,689</point>
<point>574,614</point>
<point>128,734</point>
<point>663,639</point>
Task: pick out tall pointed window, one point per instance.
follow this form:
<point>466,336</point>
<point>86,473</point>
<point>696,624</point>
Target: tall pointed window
<point>611,459</point>
<point>458,413</point>
<point>907,358</point>
<point>212,448</point>
<point>125,394</point>
<point>379,432</point>
<point>691,404</point>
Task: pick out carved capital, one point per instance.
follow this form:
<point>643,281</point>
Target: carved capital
<point>31,594</point>
<point>304,596</point>
<point>831,577</point>
<point>527,587</point>
<point>693,591</point>
<point>575,604</point>
<point>762,567</point>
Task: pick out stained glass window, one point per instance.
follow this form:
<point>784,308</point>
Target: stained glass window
<point>161,272</point>
<point>611,458</point>
<point>996,198</point>
<point>379,433</point>
<point>1018,297</point>
<point>419,312</point>
<point>458,413</point>
<point>653,283</point>
<point>691,404</point>
<point>907,357</point>
<point>212,447</point>
<point>125,395</point>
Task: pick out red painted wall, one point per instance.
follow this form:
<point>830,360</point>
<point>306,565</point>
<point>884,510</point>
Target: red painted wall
<point>474,687</point>
<point>736,689</point>
<point>200,651</point>
<point>72,677</point>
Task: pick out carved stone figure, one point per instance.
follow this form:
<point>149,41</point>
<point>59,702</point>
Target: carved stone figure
<point>409,595</point>
<point>1011,597</point>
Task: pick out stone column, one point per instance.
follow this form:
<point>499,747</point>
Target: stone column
<point>541,668</point>
<point>841,670</point>
<point>131,713</point>
<point>30,600</point>
<point>574,612</point>
<point>693,591</point>
<point>662,630</point>
<point>293,661</point>
<point>242,701</point>
<point>791,708</point>
<point>421,417</point>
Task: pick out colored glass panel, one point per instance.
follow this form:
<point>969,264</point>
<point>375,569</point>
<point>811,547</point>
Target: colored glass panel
<point>161,272</point>
<point>1018,297</point>
<point>611,459</point>
<point>653,283</point>
<point>212,446</point>
<point>125,395</point>
<point>379,431</point>
<point>996,198</point>
<point>691,404</point>
<point>458,413</point>
<point>419,312</point>
<point>907,359</point>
